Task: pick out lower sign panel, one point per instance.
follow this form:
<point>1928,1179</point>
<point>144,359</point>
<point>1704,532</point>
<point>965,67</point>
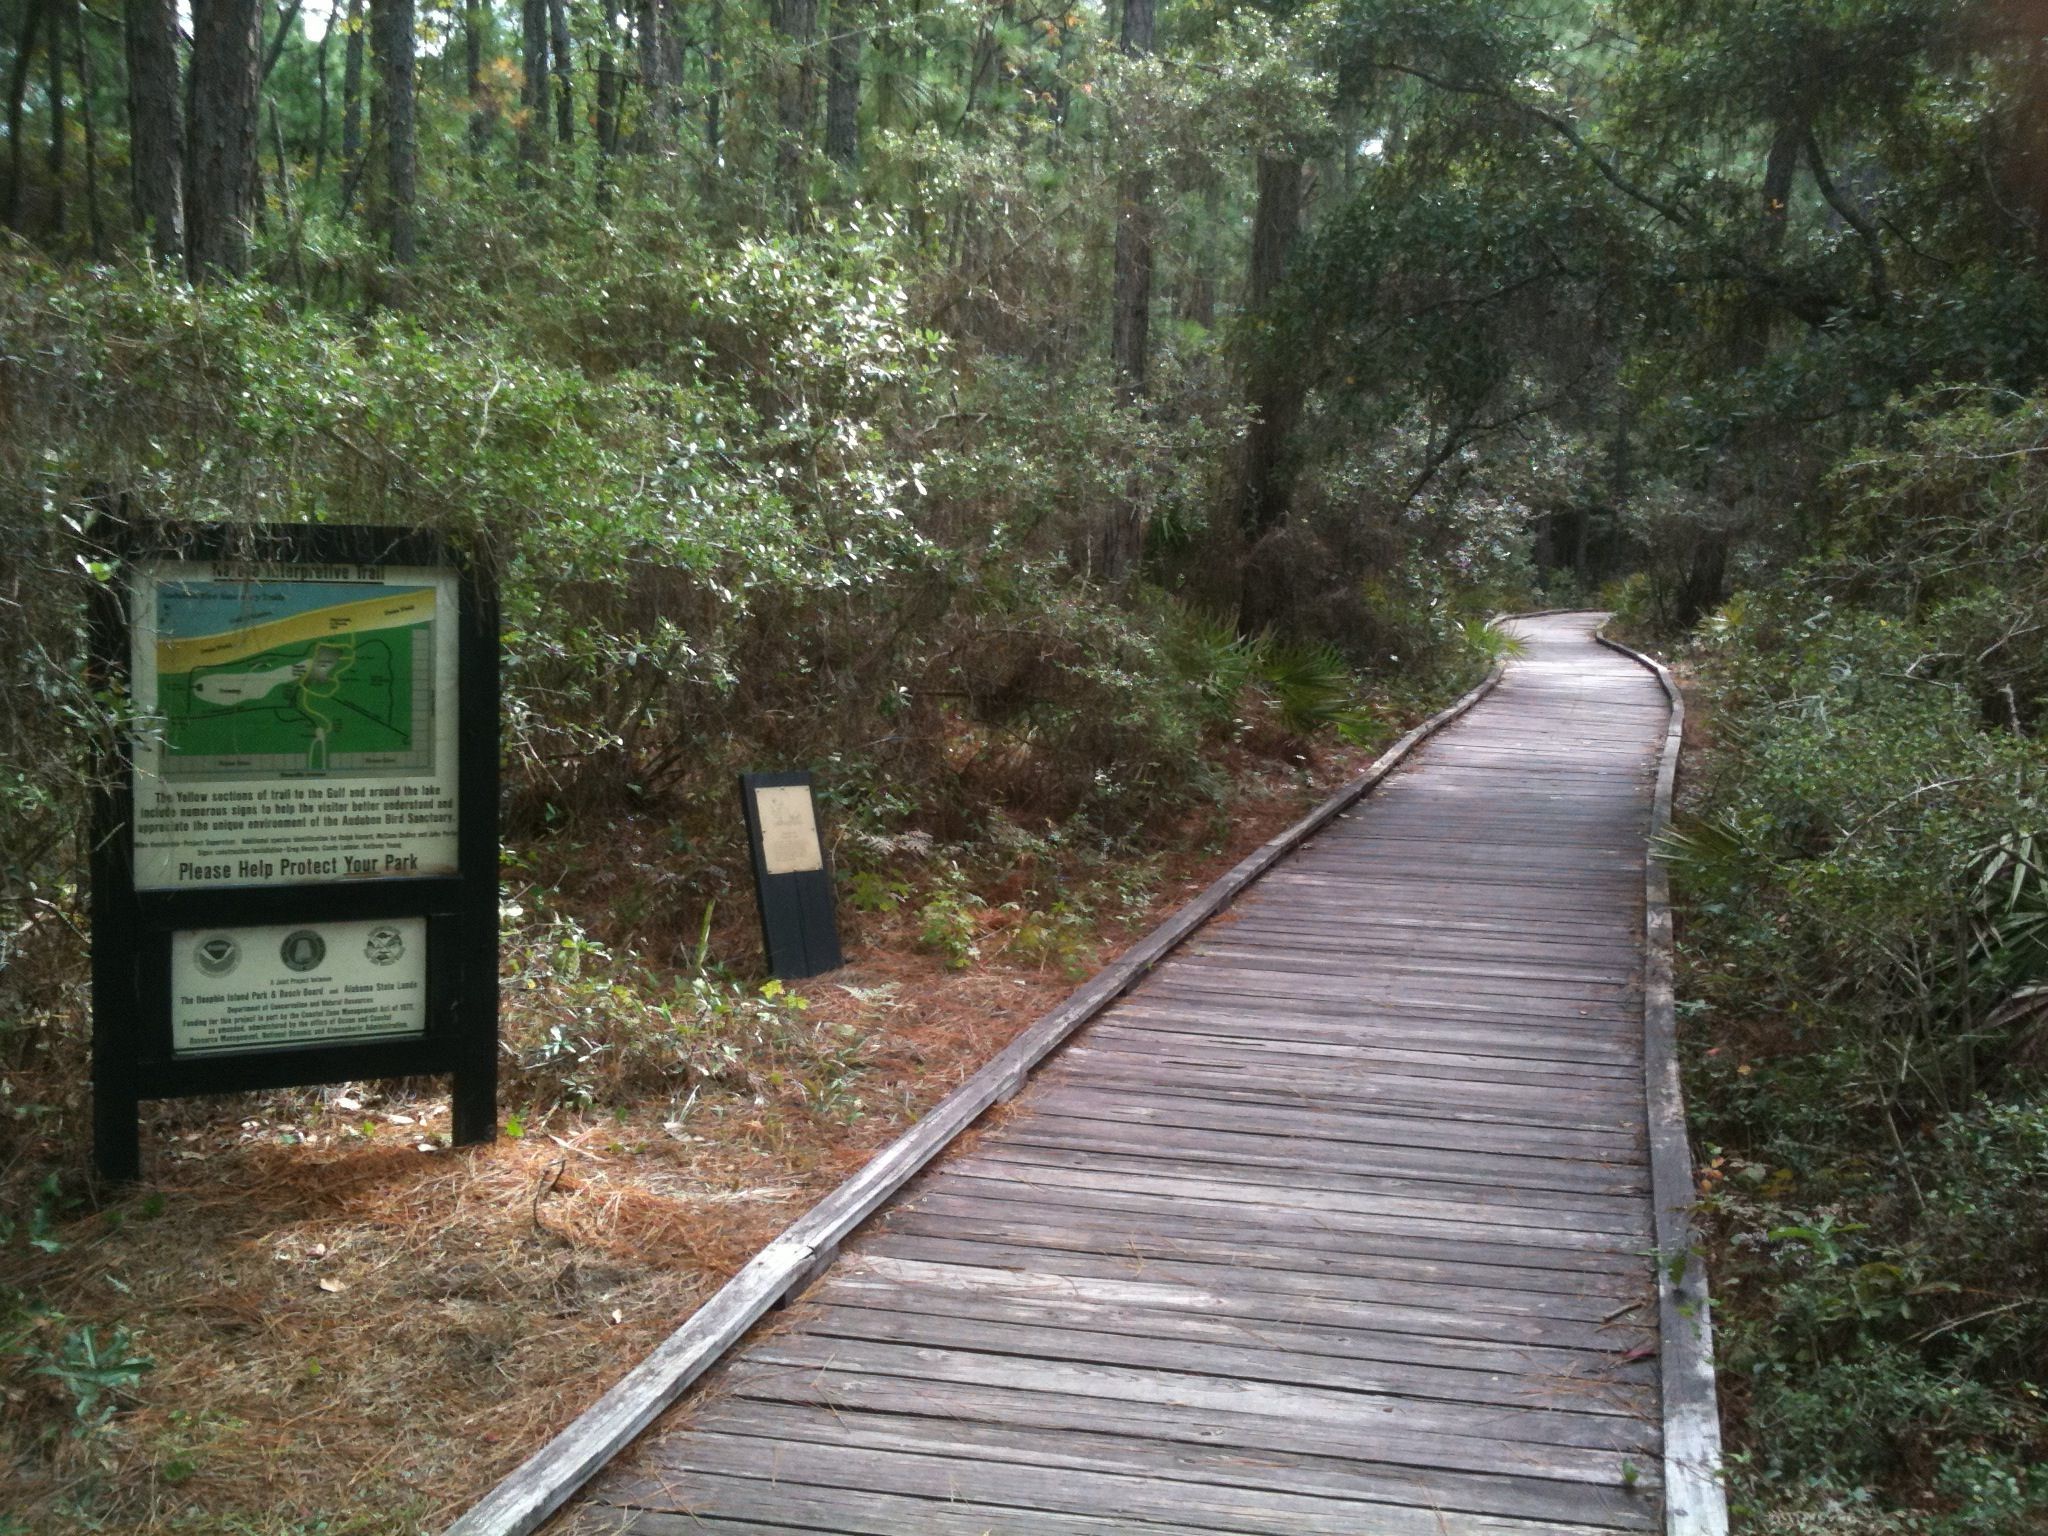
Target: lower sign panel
<point>297,984</point>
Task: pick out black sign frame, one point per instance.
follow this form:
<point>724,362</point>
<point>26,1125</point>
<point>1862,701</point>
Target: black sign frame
<point>799,923</point>
<point>132,1051</point>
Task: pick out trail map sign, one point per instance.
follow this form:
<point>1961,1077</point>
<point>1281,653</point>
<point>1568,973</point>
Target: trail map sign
<point>295,868</point>
<point>302,723</point>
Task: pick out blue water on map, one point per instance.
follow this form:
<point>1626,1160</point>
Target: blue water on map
<point>186,610</point>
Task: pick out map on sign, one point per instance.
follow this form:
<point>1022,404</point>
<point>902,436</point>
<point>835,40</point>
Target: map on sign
<point>267,678</point>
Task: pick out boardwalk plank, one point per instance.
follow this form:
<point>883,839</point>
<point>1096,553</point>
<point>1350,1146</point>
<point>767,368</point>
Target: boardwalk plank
<point>1565,1101</point>
<point>1312,1167</point>
<point>1234,1018</point>
<point>1337,1092</point>
<point>1319,1285</point>
<point>1007,1486</point>
<point>1599,1475</point>
<point>1379,1123</point>
<point>712,1471</point>
<point>1288,1472</point>
<point>1156,1311</point>
<point>1135,1035</point>
<point>1533,1436</point>
<point>1270,1161</point>
<point>1166,1197</point>
<point>1260,1357</point>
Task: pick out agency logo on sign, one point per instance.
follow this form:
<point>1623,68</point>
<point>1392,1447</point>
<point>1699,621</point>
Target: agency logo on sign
<point>385,946</point>
<point>302,950</point>
<point>216,956</point>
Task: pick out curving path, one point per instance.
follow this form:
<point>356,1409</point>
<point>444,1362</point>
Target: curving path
<point>1340,1223</point>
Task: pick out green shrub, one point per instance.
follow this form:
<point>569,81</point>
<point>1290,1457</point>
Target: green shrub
<point>1862,887</point>
<point>1871,845</point>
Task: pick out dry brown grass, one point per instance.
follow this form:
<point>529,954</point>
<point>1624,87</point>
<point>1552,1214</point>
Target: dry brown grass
<point>357,1330</point>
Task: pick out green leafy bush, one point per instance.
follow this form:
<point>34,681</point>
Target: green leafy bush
<point>1863,894</point>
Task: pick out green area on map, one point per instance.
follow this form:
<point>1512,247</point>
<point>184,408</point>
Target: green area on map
<point>308,699</point>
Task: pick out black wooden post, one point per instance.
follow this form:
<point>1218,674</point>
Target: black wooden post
<point>792,876</point>
<point>116,1137</point>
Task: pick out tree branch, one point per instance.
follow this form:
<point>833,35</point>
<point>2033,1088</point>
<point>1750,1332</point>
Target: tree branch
<point>1812,308</point>
<point>284,31</point>
<point>1565,129</point>
<point>1880,276</point>
<point>1470,429</point>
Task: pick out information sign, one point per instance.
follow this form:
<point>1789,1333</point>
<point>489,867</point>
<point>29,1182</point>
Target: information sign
<point>789,829</point>
<point>799,927</point>
<point>283,984</point>
<point>295,859</point>
<point>293,723</point>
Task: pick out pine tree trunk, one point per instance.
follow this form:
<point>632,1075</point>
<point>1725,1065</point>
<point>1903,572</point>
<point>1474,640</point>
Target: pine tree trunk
<point>1779,167</point>
<point>1750,336</point>
<point>320,61</point>
<point>1276,388</point>
<point>17,91</point>
<point>657,90</point>
<point>95,225</point>
<point>352,86</point>
<point>480,115</point>
<point>1705,580</point>
<point>392,44</point>
<point>533,89</point>
<point>156,130</point>
<point>1267,485</point>
<point>714,96</point>
<point>558,49</point>
<point>221,170</point>
<point>607,124</point>
<point>796,23</point>
<point>53,57</point>
<point>1131,300</point>
<point>1122,536</point>
<point>842,85</point>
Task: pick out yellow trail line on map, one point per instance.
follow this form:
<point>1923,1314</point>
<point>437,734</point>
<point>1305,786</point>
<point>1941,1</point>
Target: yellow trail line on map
<point>393,610</point>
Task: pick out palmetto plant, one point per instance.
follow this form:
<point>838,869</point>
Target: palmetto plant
<point>1312,686</point>
<point>1489,641</point>
<point>2010,924</point>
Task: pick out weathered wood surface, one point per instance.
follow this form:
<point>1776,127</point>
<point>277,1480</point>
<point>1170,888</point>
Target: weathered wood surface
<point>541,1484</point>
<point>1340,1222</point>
<point>1695,1500</point>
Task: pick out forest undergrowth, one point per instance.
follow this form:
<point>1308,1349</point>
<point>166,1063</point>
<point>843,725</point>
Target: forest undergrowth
<point>1863,865</point>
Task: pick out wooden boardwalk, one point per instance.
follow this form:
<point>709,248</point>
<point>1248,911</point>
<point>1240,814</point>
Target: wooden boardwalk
<point>1340,1223</point>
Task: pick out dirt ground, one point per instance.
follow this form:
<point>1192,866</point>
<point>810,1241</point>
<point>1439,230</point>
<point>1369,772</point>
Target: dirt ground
<point>353,1328</point>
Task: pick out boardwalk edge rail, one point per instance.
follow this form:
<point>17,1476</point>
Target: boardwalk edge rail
<point>546,1480</point>
<point>1695,1503</point>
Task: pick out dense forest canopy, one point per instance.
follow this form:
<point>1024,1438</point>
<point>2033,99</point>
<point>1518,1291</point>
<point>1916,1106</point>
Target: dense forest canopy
<point>1016,411</point>
<point>1572,261</point>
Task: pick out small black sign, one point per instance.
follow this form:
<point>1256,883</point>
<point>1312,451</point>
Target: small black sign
<point>792,878</point>
<point>295,853</point>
